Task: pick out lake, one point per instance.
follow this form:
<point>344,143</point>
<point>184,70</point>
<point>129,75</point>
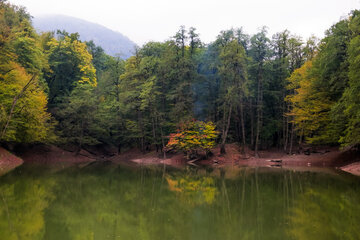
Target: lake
<point>106,201</point>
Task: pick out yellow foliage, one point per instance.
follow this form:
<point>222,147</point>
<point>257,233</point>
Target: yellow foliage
<point>30,120</point>
<point>79,50</point>
<point>309,108</point>
<point>194,191</point>
<point>192,136</point>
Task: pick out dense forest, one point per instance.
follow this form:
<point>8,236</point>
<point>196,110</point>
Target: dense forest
<point>260,91</point>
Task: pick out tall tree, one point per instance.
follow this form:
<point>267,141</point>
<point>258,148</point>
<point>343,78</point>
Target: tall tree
<point>70,63</point>
<point>258,52</point>
<point>23,115</point>
<point>351,96</point>
<point>233,75</point>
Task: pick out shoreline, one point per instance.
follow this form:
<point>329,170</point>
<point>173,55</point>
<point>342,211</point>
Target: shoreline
<point>8,161</point>
<point>51,155</point>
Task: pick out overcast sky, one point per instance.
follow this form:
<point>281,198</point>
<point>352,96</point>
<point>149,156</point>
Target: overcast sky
<point>145,20</point>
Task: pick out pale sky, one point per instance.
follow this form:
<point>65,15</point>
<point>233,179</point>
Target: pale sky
<point>158,20</point>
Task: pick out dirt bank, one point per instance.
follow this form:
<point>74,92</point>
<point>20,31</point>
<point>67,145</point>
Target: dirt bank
<point>353,168</point>
<point>8,161</point>
<point>319,158</point>
<point>322,157</point>
<point>48,154</point>
<point>43,155</point>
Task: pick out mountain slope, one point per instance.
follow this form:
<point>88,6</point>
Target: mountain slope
<point>112,42</point>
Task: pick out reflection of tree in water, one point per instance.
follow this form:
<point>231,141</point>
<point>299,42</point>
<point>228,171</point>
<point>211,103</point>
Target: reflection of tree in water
<point>193,190</point>
<point>112,203</point>
<point>22,206</point>
<point>323,214</point>
<point>99,202</point>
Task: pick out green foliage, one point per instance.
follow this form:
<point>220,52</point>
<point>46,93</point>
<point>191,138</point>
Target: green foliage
<point>109,114</point>
<point>76,119</point>
<point>260,92</point>
<point>351,96</point>
<point>70,63</point>
<point>233,72</point>
<point>23,103</point>
<point>71,78</point>
<point>325,98</point>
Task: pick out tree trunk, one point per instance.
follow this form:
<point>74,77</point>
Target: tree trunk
<point>237,126</point>
<point>259,112</point>
<point>286,130</point>
<point>252,124</point>
<point>242,126</point>
<point>118,112</point>
<point>162,138</point>
<point>119,149</point>
<point>300,140</point>
<point>163,143</point>
<point>225,130</point>
<point>301,136</point>
<point>291,138</point>
<point>81,135</point>
<point>283,122</point>
<point>142,138</point>
<point>153,130</point>
<point>16,98</point>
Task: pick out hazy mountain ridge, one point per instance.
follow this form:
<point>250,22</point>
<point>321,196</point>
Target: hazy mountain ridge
<point>112,42</point>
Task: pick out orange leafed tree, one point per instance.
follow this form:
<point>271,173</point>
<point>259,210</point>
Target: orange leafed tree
<point>193,136</point>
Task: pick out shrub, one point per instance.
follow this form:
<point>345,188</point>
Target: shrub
<point>193,136</point>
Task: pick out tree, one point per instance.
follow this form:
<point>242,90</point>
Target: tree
<point>306,104</point>
<point>23,115</point>
<point>233,75</point>
<point>110,122</point>
<point>351,97</point>
<point>319,110</point>
<point>77,116</point>
<point>258,52</point>
<point>71,81</point>
<point>193,136</point>
<point>70,63</point>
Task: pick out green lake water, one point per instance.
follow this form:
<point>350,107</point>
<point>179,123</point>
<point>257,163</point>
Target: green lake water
<point>105,201</point>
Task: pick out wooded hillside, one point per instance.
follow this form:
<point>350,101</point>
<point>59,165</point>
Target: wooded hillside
<point>280,91</point>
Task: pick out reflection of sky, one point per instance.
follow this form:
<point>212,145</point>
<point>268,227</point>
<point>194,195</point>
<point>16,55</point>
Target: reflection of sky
<point>145,20</point>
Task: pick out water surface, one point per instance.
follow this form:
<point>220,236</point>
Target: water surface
<point>104,201</point>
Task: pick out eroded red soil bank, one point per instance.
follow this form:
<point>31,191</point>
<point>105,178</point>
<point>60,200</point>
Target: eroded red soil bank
<point>323,157</point>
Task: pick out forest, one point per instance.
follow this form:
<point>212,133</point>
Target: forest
<point>260,91</point>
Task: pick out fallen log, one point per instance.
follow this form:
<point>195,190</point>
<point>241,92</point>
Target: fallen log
<point>275,160</point>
